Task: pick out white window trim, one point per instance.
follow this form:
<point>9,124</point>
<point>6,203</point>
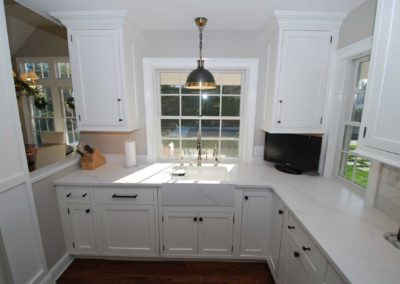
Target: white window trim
<point>344,58</point>
<point>247,125</point>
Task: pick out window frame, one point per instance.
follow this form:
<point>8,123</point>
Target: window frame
<point>346,120</point>
<point>247,128</point>
<point>200,118</point>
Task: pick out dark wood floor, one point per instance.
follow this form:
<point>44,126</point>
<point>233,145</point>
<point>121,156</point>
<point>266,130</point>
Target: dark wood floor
<point>85,271</point>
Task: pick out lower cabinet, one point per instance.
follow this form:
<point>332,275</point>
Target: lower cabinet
<point>255,223</point>
<point>82,227</point>
<point>274,248</point>
<point>197,233</point>
<point>127,229</point>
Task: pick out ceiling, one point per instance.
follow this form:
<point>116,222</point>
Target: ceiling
<point>179,14</point>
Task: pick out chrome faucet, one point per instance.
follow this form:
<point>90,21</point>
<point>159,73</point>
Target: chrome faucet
<point>198,147</point>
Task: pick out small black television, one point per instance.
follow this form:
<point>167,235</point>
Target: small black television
<point>293,153</point>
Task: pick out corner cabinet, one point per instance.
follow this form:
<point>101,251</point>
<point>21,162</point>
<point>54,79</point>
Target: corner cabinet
<point>299,61</point>
<point>380,128</point>
<point>103,70</point>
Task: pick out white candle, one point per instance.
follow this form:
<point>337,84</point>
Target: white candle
<point>130,154</point>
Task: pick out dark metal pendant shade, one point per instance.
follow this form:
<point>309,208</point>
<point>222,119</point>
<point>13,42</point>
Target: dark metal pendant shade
<point>200,78</point>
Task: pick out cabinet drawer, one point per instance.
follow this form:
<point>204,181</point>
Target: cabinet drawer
<point>76,193</point>
<point>124,195</point>
<point>306,245</point>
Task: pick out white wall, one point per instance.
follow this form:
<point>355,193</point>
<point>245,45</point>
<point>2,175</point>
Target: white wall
<point>358,24</point>
<point>182,44</point>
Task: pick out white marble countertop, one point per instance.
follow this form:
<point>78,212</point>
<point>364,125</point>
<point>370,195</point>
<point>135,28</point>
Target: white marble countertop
<point>348,230</point>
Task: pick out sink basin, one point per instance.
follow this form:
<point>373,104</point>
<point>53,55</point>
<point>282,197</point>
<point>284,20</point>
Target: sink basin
<point>202,173</point>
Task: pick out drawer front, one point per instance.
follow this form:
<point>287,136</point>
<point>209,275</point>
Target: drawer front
<point>76,193</point>
<point>124,195</point>
<point>306,245</point>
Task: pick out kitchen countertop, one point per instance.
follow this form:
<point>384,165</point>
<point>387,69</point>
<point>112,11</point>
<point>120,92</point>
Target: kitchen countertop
<point>348,230</point>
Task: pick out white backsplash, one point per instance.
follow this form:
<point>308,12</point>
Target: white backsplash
<point>388,199</point>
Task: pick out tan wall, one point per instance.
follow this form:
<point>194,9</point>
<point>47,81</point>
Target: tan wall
<point>48,214</point>
<point>358,24</point>
<point>45,42</point>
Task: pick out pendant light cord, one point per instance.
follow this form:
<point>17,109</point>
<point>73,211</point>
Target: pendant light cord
<point>201,45</point>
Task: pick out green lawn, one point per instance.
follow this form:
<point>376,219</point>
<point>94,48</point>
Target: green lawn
<point>362,171</point>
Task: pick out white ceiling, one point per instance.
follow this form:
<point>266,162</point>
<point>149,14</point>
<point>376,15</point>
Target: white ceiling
<point>179,14</point>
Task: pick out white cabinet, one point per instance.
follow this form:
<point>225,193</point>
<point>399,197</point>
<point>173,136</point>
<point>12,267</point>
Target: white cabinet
<point>197,233</point>
<point>102,64</point>
<point>127,229</point>
<point>298,68</point>
<point>82,228</point>
<point>255,223</point>
<point>301,261</point>
<point>274,249</point>
<point>380,129</point>
<point>77,213</point>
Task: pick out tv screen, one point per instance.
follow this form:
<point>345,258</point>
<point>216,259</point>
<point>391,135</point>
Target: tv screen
<point>293,151</point>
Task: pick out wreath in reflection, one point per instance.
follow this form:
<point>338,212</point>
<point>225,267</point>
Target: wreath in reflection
<point>29,88</point>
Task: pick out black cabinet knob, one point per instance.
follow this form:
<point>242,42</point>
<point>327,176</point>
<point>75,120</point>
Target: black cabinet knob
<point>296,254</point>
<point>201,219</point>
<point>195,219</point>
<point>280,212</point>
<point>87,210</point>
<point>246,197</point>
<point>279,121</point>
<point>306,248</point>
<point>290,227</point>
<point>84,195</point>
<point>69,194</point>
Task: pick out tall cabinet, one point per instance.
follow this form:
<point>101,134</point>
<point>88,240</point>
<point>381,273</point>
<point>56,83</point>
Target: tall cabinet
<point>380,129</point>
<point>299,57</point>
<point>103,70</point>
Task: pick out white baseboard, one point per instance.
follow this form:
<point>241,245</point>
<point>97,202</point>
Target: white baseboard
<point>58,268</point>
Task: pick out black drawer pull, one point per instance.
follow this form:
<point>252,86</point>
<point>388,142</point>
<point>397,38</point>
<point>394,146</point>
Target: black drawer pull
<point>84,195</point>
<point>195,219</point>
<point>246,198</point>
<point>280,212</point>
<point>124,196</point>
<point>87,210</point>
<point>68,194</point>
<point>290,227</point>
<point>306,248</point>
<point>296,254</point>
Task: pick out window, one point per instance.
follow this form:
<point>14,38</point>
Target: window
<point>55,79</point>
<point>352,167</point>
<point>215,113</point>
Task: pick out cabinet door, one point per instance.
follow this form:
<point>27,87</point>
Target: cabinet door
<point>298,270</point>
<point>276,236</point>
<point>302,80</point>
<point>332,277</point>
<point>180,232</point>
<point>128,229</point>
<point>381,127</point>
<point>97,81</point>
<point>82,228</point>
<point>215,233</point>
<point>255,223</point>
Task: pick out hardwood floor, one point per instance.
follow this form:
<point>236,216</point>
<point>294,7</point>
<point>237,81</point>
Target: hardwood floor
<point>85,271</point>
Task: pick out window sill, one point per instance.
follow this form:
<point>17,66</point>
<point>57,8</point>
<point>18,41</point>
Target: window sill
<point>53,168</point>
<point>352,186</point>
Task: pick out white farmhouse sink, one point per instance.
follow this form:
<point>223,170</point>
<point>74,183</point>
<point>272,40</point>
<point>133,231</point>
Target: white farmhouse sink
<point>199,186</point>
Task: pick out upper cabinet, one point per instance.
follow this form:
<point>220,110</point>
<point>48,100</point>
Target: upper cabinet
<point>299,61</point>
<point>380,127</point>
<point>103,71</point>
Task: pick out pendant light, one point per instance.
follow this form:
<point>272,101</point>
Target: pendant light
<point>200,78</point>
